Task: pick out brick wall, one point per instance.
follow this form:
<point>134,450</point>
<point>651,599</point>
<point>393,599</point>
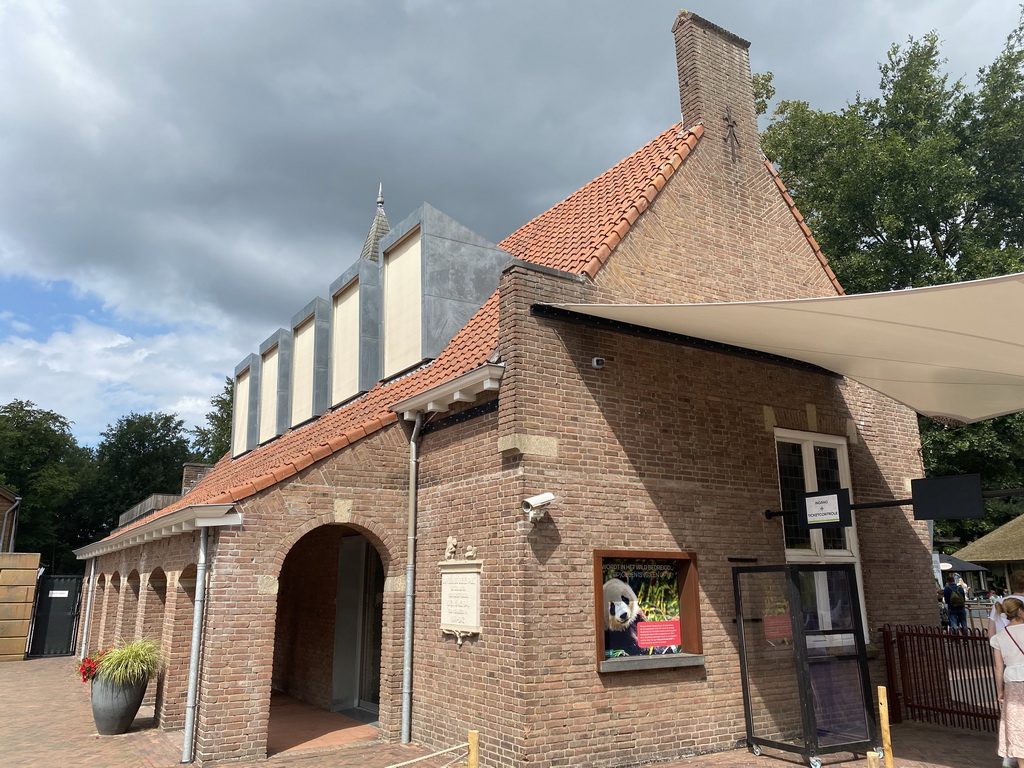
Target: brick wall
<point>680,457</point>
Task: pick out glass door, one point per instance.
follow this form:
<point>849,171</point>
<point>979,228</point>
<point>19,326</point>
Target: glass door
<point>372,634</point>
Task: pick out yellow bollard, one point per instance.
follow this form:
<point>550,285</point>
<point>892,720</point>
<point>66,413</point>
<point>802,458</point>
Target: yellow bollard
<point>473,754</point>
<point>873,760</point>
<point>883,717</point>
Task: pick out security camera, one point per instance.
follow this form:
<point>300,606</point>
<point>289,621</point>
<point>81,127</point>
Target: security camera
<point>598,362</point>
<point>534,506</point>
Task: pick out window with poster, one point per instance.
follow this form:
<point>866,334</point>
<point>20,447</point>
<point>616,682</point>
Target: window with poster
<point>648,612</point>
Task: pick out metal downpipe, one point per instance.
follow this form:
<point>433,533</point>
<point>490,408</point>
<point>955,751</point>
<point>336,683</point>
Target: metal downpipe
<point>193,663</point>
<point>83,644</point>
<point>12,510</point>
<point>410,577</point>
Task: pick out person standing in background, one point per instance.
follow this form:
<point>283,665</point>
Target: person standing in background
<point>1008,660</point>
<point>956,601</point>
<point>997,621</point>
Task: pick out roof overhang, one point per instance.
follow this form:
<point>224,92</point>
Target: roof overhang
<point>953,352</point>
<point>173,524</point>
<point>462,389</point>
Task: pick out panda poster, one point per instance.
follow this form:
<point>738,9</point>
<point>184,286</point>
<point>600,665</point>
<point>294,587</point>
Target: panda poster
<point>641,607</point>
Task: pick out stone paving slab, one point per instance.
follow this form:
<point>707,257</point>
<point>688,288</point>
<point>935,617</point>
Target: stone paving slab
<point>46,722</point>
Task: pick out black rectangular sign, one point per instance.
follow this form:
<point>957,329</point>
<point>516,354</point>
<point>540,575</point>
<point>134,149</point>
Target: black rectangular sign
<point>948,498</point>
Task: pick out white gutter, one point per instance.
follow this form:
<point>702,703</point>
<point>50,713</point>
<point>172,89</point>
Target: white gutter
<point>162,526</point>
<point>462,389</point>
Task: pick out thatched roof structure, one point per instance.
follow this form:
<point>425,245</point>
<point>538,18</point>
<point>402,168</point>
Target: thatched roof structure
<point>1004,544</point>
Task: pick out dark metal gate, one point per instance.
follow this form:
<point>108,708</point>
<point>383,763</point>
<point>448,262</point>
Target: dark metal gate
<point>56,616</point>
<point>941,677</point>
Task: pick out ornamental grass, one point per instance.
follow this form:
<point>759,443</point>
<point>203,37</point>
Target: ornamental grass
<point>131,662</point>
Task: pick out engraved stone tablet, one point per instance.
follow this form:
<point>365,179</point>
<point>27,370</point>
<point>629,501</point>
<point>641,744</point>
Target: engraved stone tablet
<point>460,595</point>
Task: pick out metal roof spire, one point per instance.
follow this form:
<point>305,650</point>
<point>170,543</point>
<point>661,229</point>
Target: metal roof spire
<point>378,229</point>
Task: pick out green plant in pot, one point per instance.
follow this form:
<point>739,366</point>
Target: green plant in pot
<point>119,683</point>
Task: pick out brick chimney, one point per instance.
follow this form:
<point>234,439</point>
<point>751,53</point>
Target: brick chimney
<point>715,87</point>
<point>191,474</point>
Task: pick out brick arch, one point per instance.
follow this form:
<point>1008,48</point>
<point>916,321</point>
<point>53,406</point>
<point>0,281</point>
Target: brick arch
<point>176,643</point>
<point>373,531</point>
<point>153,604</point>
<point>93,641</point>
<point>130,612</point>
<point>307,623</point>
<point>111,612</point>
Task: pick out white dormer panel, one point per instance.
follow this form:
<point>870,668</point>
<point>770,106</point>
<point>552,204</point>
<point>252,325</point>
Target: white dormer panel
<point>240,414</point>
<point>269,394</point>
<point>345,343</point>
<point>402,313</point>
<point>302,373</point>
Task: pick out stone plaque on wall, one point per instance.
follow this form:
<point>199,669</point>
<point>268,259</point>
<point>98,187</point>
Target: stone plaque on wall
<point>460,596</point>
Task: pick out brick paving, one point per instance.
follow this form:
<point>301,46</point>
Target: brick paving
<point>46,722</point>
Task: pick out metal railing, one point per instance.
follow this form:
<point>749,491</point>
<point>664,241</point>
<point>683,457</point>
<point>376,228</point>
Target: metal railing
<point>941,677</point>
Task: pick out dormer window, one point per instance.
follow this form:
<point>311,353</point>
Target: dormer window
<point>402,317</point>
<point>244,407</point>
<point>240,413</point>
<point>268,394</point>
<point>302,373</point>
<point>345,331</point>
<point>310,331</point>
<point>275,386</point>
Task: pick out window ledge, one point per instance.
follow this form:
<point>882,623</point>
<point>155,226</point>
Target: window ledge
<point>668,661</point>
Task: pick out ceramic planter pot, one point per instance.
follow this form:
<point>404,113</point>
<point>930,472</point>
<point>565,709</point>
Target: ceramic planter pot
<point>115,706</point>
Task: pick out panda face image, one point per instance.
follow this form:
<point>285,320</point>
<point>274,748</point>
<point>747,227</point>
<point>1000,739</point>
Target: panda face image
<point>621,608</point>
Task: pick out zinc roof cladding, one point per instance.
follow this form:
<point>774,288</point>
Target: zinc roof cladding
<point>576,235</point>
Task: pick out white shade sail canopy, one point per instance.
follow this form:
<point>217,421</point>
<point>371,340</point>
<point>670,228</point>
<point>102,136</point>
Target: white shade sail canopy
<point>953,352</point>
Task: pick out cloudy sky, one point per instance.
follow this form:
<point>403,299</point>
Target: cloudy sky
<point>178,178</point>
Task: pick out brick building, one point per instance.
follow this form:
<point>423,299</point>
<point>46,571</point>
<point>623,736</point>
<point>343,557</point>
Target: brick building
<point>432,393</point>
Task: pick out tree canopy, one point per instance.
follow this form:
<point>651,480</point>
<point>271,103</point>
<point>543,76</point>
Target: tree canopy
<point>141,454</point>
<point>73,495</point>
<point>41,461</point>
<point>214,440</point>
<point>920,185</point>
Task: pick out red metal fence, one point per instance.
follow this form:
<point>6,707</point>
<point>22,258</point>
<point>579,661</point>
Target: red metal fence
<point>941,677</point>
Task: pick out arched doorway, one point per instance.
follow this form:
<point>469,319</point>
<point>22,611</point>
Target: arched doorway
<point>327,642</point>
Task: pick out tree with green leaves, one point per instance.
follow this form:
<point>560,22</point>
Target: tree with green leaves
<point>140,455</point>
<point>214,440</point>
<point>920,185</point>
<point>41,461</point>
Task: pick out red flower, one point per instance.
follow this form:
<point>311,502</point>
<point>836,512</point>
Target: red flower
<point>89,667</point>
